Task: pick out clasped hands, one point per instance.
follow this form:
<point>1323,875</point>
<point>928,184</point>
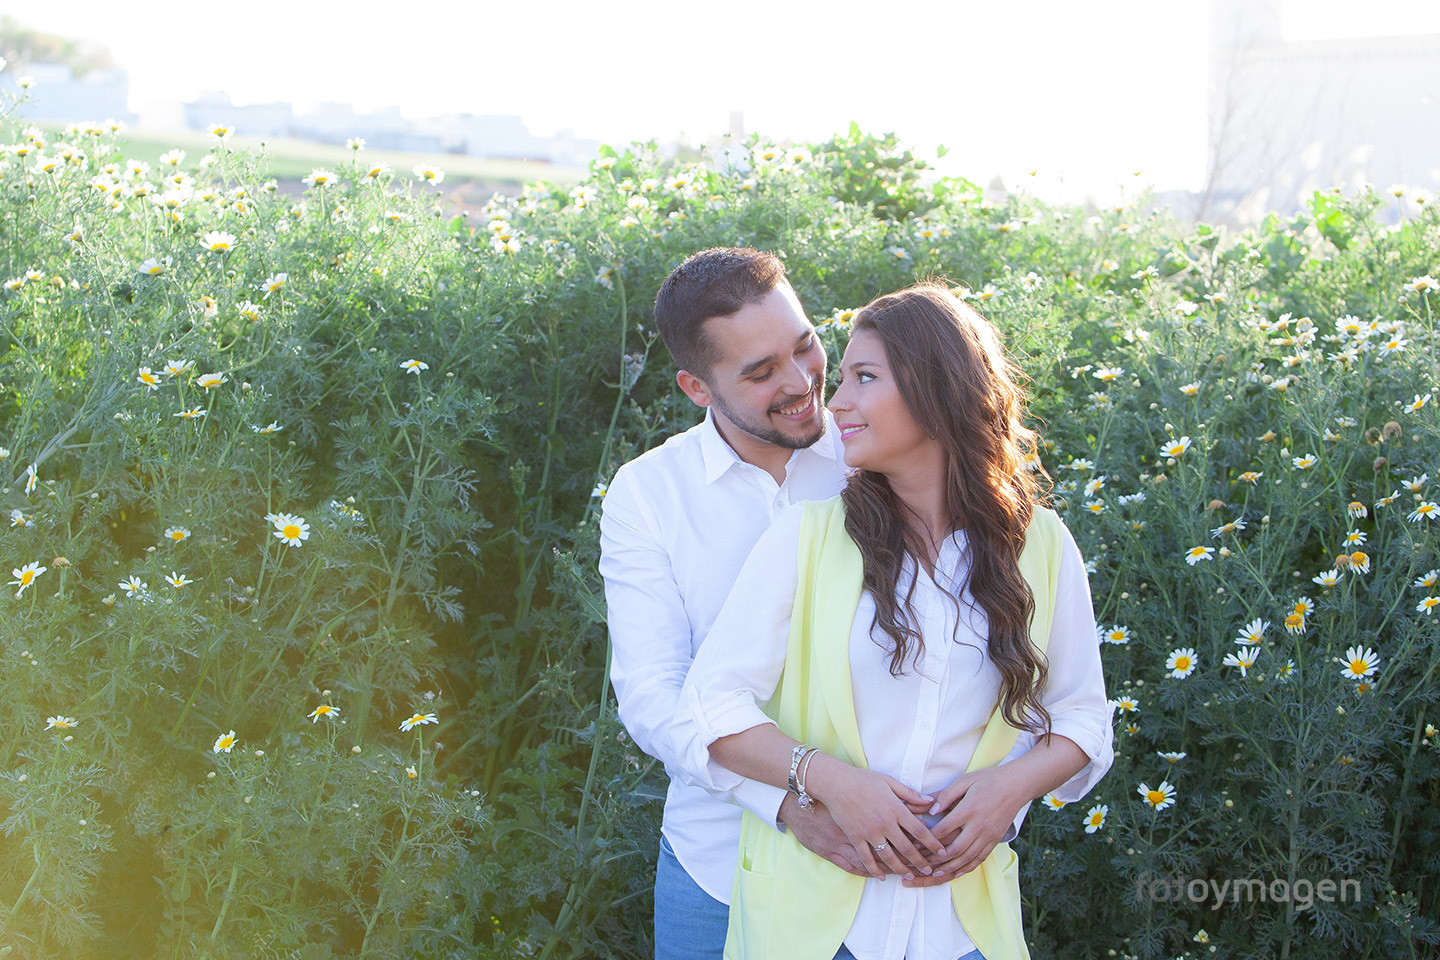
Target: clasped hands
<point>863,810</point>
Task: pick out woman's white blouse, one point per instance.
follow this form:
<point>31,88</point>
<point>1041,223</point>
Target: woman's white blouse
<point>921,727</point>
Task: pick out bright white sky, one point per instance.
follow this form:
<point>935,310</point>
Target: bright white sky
<point>1087,93</point>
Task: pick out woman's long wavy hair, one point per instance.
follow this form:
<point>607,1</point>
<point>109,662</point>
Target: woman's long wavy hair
<point>961,390</point>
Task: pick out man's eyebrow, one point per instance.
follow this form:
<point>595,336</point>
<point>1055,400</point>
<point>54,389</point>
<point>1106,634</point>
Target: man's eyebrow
<point>750,368</point>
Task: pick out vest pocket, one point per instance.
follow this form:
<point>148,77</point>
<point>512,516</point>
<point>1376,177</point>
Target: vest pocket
<point>752,909</point>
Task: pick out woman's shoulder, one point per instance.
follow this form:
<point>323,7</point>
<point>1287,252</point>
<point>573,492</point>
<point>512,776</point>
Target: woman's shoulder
<point>1047,528</point>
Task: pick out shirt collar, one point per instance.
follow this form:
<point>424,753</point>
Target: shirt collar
<point>719,456</point>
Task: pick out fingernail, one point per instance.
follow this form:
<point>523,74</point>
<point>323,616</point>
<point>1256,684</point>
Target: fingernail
<point>927,797</point>
<point>926,870</point>
<point>909,876</point>
<point>934,808</point>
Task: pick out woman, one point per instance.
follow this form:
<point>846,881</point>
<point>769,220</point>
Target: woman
<point>881,651</point>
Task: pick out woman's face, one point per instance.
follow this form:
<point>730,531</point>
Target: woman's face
<point>875,426</point>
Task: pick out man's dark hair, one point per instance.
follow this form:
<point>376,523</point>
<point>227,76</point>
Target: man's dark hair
<point>712,283</point>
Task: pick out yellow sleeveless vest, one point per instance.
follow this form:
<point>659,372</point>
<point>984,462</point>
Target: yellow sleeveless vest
<point>786,902</point>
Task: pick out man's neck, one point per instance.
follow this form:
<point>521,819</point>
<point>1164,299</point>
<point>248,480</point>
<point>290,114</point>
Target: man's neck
<point>767,456</point>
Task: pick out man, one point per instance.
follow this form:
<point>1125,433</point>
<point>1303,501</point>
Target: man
<point>677,525</point>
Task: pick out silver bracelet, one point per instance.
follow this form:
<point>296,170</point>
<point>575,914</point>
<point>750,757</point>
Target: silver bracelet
<point>804,798</point>
<point>797,753</point>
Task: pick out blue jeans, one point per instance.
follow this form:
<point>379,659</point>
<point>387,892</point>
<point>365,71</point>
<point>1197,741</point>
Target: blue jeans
<point>689,923</point>
<point>845,954</point>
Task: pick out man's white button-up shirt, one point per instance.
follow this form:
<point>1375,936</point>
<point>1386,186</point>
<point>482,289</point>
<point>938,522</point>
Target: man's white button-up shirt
<point>676,525</point>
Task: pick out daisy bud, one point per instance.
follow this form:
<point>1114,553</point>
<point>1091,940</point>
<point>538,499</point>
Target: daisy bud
<point>1214,505</point>
<point>1391,430</point>
<point>355,749</point>
<point>1380,464</point>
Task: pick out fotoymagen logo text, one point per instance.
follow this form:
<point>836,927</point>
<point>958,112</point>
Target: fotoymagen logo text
<point>1219,891</point>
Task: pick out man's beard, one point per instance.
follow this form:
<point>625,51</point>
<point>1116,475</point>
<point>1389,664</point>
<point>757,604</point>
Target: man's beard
<point>764,431</point>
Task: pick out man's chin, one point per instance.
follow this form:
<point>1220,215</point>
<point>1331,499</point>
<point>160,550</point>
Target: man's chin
<point>803,434</point>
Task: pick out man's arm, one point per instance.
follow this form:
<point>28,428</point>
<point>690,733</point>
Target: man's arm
<point>650,637</point>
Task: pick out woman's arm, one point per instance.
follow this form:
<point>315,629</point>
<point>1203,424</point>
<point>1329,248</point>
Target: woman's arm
<point>987,801</point>
<point>870,807</point>
<point>734,675</point>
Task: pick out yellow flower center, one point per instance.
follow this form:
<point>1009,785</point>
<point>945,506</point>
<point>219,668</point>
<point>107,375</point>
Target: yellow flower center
<point>1357,667</point>
<point>226,742</point>
<point>1295,620</point>
<point>26,577</point>
<point>1182,663</point>
<point>291,531</point>
<point>1155,797</point>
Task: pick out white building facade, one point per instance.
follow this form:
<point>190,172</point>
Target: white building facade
<point>1289,118</point>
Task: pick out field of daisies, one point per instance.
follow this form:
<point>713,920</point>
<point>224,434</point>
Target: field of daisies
<point>304,651</point>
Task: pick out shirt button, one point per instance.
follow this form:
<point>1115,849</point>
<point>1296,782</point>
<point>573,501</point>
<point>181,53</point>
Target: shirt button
<point>779,504</point>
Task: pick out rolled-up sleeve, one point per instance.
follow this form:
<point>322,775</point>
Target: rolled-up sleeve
<point>651,638</point>
<point>740,661</point>
<point>1075,690</point>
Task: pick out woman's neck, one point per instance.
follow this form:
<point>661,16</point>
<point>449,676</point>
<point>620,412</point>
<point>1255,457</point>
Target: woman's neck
<point>920,487</point>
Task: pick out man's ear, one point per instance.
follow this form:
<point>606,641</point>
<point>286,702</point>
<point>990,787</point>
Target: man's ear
<point>694,388</point>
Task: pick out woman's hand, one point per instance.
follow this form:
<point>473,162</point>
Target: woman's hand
<point>874,810</point>
<point>981,807</point>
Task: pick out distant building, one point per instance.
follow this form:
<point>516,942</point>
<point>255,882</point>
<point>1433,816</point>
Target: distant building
<point>1286,118</point>
<point>386,129</point>
<point>61,96</point>
<point>254,120</point>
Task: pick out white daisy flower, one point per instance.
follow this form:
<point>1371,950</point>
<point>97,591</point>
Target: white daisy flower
<point>1181,662</point>
<point>417,720</point>
<point>290,529</point>
<point>1360,662</point>
<point>24,576</point>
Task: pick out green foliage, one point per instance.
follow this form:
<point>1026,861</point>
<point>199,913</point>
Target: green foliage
<point>448,568</point>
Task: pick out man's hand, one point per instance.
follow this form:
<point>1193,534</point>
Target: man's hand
<point>817,832</point>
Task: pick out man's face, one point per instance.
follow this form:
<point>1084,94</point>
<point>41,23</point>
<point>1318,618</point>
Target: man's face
<point>769,377</point>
